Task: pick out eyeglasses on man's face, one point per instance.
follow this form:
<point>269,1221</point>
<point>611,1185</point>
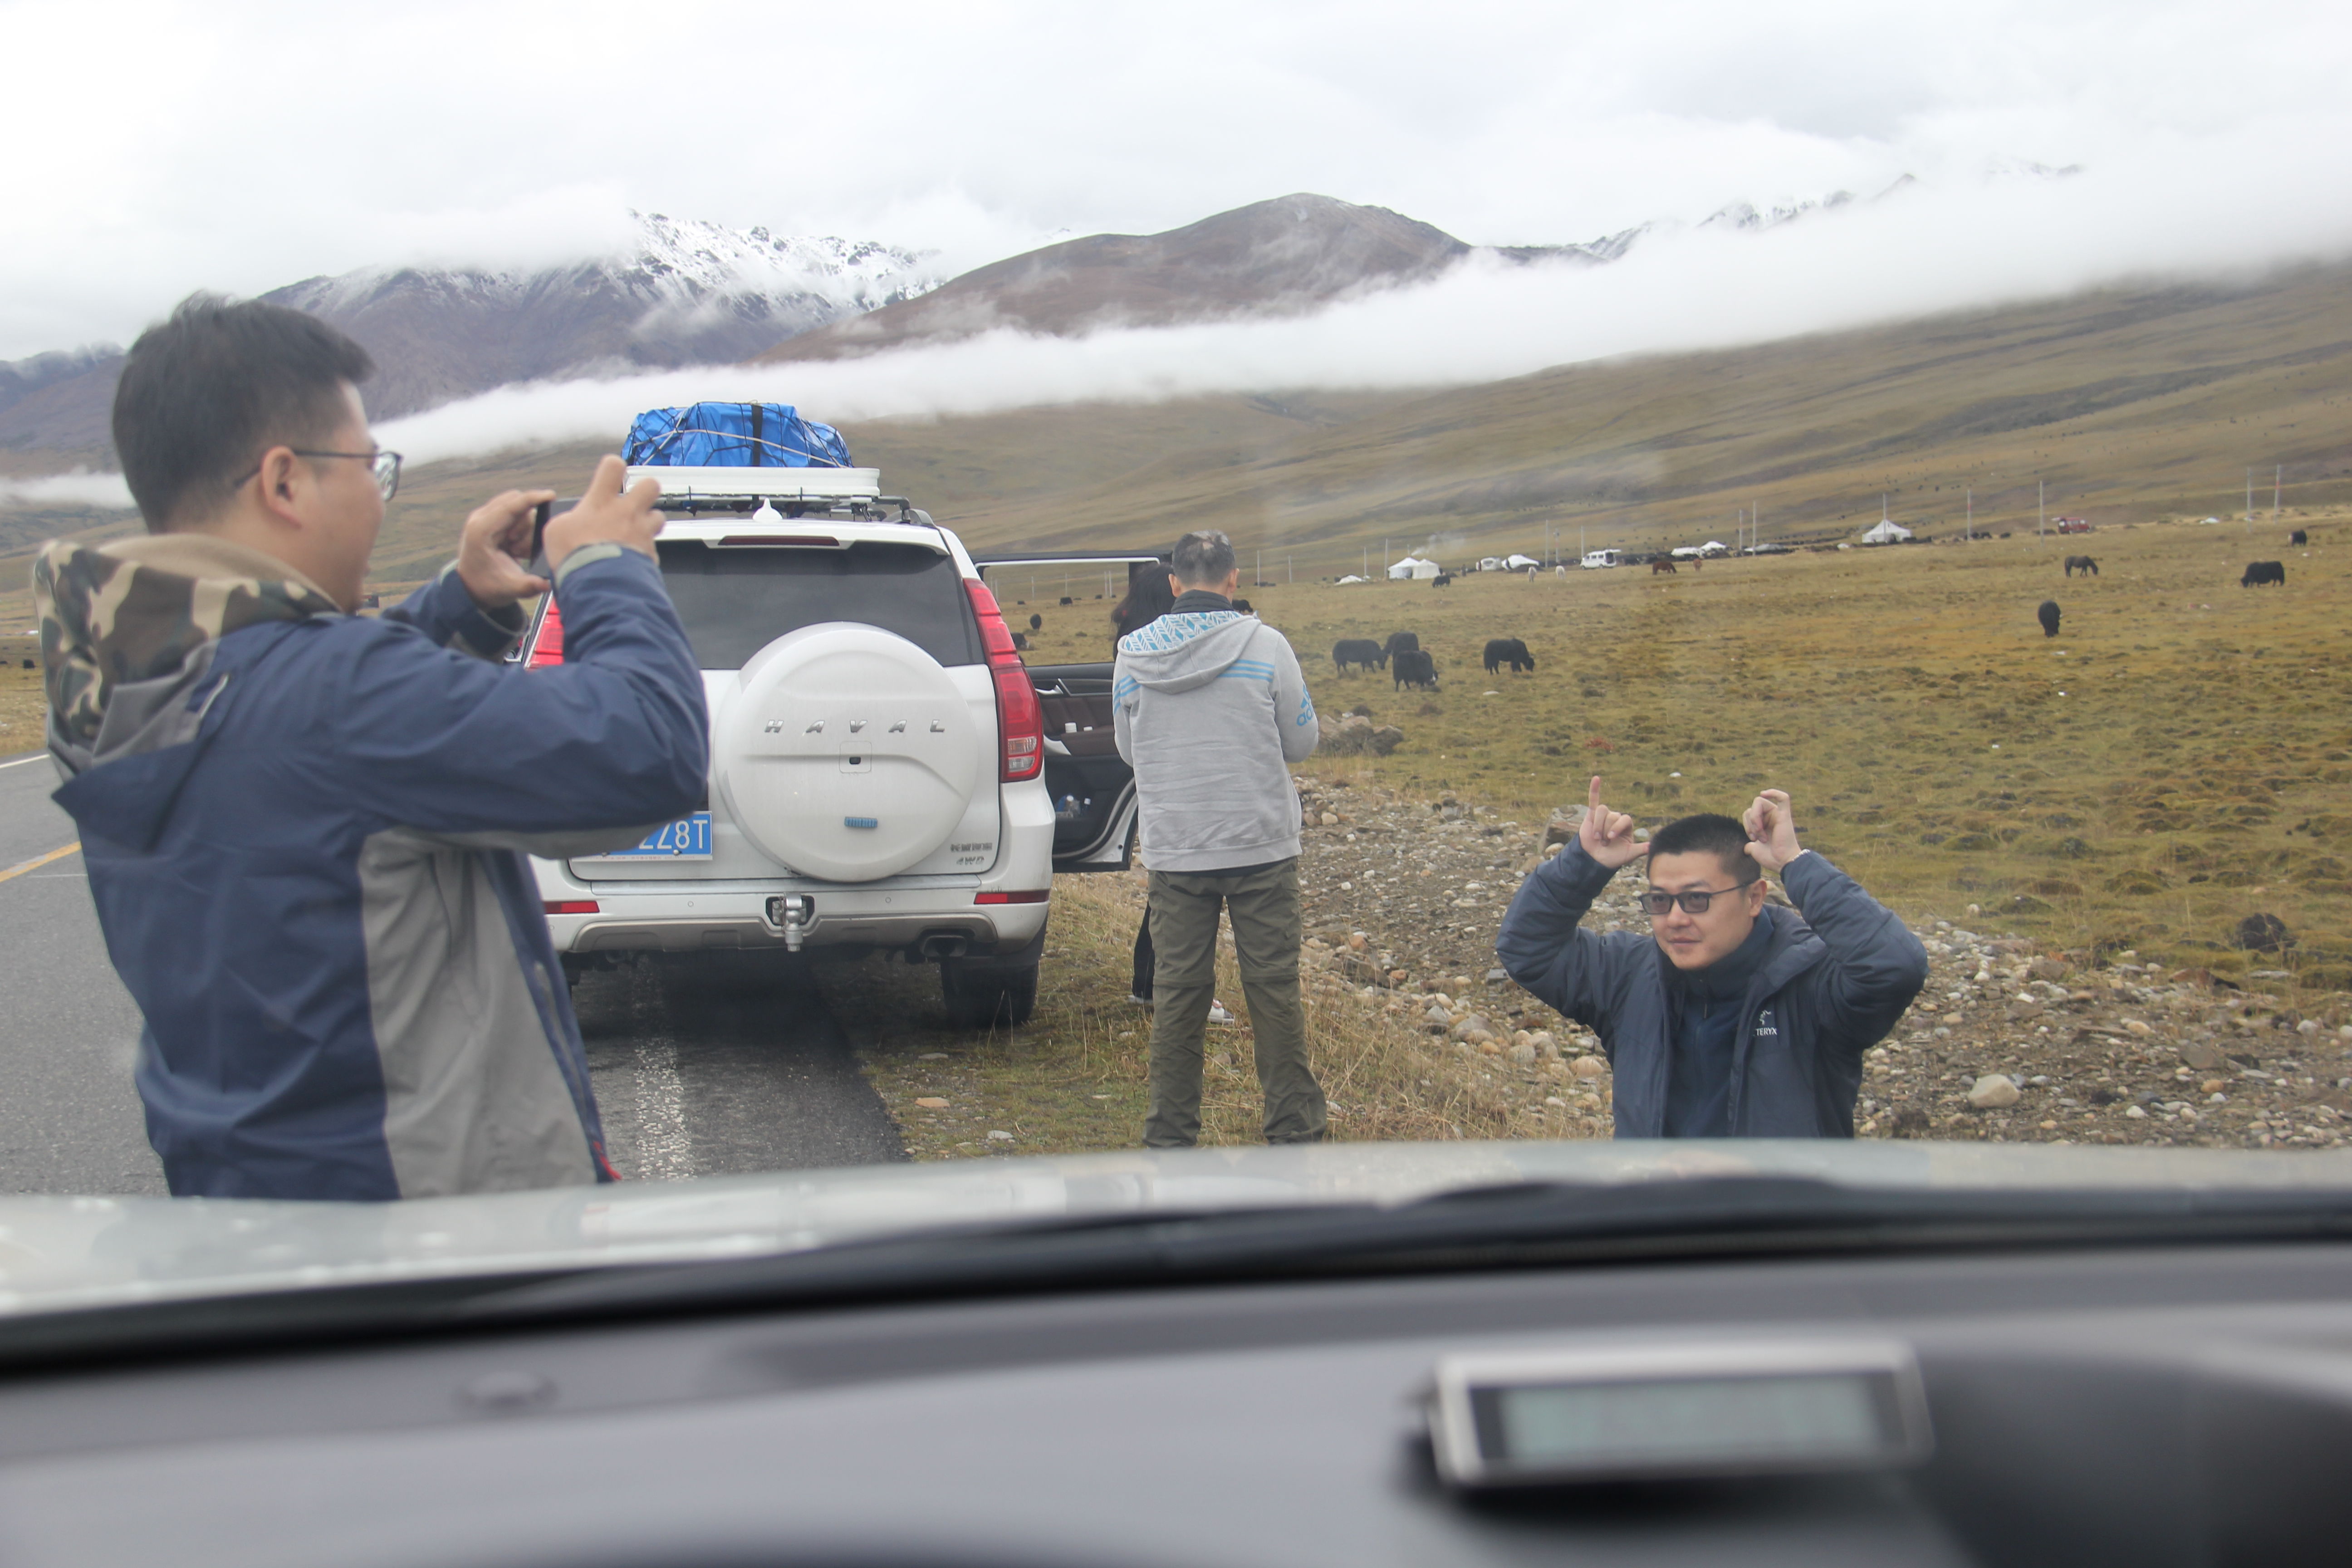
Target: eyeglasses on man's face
<point>1694,902</point>
<point>383,466</point>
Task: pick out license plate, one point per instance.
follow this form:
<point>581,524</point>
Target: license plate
<point>686,840</point>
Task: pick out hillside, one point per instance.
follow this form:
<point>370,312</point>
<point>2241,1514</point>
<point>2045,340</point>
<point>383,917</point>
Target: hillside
<point>2124,403</point>
<point>2130,403</point>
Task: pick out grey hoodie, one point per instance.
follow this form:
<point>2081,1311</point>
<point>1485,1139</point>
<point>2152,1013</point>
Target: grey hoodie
<point>1211,709</point>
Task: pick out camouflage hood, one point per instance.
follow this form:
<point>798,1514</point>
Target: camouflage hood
<point>128,630</point>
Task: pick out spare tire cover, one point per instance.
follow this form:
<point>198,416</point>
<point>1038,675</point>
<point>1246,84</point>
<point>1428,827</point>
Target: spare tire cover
<point>846,752</point>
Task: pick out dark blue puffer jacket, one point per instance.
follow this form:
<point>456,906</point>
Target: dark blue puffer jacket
<point>1831,984</point>
<point>306,834</point>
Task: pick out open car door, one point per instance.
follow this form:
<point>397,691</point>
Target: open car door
<point>1093,789</point>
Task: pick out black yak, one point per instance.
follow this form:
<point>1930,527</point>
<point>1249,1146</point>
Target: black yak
<point>1511,651</point>
<point>2049,617</point>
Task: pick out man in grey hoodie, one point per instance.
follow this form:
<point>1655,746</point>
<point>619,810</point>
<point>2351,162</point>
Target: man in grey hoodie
<point>1210,709</point>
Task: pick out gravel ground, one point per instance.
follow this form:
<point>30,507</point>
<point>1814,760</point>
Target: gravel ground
<point>2009,1040</point>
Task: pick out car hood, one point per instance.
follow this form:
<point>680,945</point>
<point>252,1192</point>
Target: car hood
<point>59,1253</point>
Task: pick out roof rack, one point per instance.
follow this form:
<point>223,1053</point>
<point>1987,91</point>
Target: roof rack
<point>761,484</point>
<point>795,492</point>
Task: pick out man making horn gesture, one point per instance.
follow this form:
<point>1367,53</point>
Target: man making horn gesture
<point>1732,1018</point>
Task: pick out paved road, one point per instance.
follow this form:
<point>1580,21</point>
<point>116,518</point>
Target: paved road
<point>702,1066</point>
<point>69,1118</point>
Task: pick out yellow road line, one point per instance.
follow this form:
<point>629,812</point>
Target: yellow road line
<point>35,864</point>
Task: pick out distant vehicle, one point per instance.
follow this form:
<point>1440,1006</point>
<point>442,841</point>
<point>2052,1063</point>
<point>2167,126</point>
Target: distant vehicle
<point>1594,560</point>
<point>2074,525</point>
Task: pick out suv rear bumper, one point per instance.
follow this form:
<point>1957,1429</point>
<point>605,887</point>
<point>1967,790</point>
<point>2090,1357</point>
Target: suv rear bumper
<point>842,917</point>
<point>683,916</point>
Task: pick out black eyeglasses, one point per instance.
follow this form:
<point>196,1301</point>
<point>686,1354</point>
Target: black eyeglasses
<point>1694,902</point>
<point>383,466</point>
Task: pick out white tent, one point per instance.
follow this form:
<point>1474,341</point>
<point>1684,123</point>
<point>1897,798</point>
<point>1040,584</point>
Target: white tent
<point>1886,532</point>
<point>1351,577</point>
<point>1411,568</point>
<point>1520,562</point>
<point>1490,564</point>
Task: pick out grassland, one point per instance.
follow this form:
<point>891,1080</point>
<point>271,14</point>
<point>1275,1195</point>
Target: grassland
<point>2175,760</point>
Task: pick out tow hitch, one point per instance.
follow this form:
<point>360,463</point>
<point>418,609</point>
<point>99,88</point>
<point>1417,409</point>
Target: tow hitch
<point>794,912</point>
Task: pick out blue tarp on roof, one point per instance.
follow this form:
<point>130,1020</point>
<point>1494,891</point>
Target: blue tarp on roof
<point>733,435</point>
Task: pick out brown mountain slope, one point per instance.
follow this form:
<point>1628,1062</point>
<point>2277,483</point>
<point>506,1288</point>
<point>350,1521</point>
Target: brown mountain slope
<point>1267,259</point>
<point>2124,403</point>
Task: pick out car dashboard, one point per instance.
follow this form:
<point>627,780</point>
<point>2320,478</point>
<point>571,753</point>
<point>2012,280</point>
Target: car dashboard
<point>2150,1405</point>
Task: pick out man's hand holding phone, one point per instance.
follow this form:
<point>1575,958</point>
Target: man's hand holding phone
<point>607,514</point>
<point>509,535</point>
<point>494,550</point>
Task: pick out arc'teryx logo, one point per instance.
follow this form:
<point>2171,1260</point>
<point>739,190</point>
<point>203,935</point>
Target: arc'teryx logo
<point>1764,1024</point>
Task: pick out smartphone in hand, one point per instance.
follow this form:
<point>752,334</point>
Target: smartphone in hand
<point>541,515</point>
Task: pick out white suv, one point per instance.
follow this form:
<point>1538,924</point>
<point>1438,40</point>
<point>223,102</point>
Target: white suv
<point>877,757</point>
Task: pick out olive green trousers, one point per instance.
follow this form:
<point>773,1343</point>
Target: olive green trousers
<point>1264,908</point>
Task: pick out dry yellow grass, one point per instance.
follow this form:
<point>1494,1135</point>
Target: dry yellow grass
<point>2175,761</point>
<point>1075,1077</point>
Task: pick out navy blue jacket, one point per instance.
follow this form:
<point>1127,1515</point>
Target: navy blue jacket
<point>309,862</point>
<point>1831,984</point>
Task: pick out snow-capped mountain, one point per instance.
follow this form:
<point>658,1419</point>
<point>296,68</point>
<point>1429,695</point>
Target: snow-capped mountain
<point>687,292</point>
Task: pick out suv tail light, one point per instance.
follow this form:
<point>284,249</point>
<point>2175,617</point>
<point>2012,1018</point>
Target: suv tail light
<point>1020,720</point>
<point>548,646</point>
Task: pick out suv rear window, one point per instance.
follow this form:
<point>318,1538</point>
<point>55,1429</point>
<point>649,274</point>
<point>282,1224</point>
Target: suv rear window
<point>735,602</point>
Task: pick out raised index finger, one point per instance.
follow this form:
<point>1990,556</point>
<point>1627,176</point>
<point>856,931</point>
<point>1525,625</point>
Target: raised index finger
<point>611,473</point>
<point>1593,794</point>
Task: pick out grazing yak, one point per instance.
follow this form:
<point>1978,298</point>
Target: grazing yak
<point>1361,651</point>
<point>1243,607</point>
<point>1511,651</point>
<point>2080,563</point>
<point>1411,667</point>
<point>1663,565</point>
<point>2260,571</point>
<point>1037,623</point>
<point>1402,642</point>
<point>1443,580</point>
<point>2298,537</point>
<point>2049,616</point>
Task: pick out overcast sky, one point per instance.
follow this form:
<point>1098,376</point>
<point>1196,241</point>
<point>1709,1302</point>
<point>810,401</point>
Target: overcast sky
<point>158,148</point>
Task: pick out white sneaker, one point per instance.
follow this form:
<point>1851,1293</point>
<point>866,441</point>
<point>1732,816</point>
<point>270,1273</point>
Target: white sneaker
<point>1138,1001</point>
<point>1217,1014</point>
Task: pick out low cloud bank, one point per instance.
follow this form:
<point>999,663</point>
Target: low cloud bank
<point>1921,251</point>
<point>79,487</point>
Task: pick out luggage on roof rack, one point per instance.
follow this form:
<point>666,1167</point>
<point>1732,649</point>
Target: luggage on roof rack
<point>732,435</point>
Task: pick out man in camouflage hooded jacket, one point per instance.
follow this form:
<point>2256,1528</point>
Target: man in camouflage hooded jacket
<point>303,826</point>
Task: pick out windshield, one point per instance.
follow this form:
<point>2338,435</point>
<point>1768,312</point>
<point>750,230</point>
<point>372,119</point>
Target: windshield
<point>1743,594</point>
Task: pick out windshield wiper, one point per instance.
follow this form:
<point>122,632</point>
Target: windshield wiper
<point>1521,1224</point>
